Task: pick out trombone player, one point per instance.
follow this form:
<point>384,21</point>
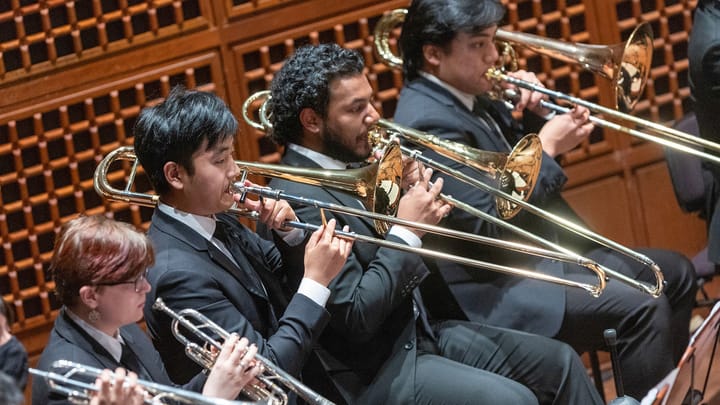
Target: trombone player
<point>447,45</point>
<point>271,292</point>
<point>381,331</point>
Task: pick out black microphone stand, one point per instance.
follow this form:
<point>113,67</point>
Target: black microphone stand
<point>610,336</point>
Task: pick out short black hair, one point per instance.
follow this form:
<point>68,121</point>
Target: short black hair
<point>437,22</point>
<point>304,82</point>
<point>175,129</point>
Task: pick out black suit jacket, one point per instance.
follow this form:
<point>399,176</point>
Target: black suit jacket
<point>485,296</point>
<point>372,331</point>
<point>704,64</point>
<point>68,341</point>
<point>190,272</point>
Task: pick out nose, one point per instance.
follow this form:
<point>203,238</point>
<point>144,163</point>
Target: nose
<point>146,287</point>
<point>492,56</point>
<point>233,168</point>
<point>372,115</point>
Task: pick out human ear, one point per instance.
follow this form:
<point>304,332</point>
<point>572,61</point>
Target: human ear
<point>173,174</point>
<point>310,120</point>
<point>432,54</point>
<point>89,296</point>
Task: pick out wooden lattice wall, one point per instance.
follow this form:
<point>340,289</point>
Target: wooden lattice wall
<point>75,74</point>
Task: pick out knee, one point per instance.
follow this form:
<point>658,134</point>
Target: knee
<point>679,273</point>
<point>654,313</point>
<point>515,394</point>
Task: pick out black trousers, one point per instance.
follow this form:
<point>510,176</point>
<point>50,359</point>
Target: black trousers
<point>652,332</point>
<point>470,363</point>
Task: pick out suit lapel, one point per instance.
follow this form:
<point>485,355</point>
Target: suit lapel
<point>73,333</point>
<point>481,132</point>
<point>187,235</point>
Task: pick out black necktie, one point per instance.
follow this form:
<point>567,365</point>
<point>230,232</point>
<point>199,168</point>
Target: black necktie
<point>260,278</point>
<point>483,110</point>
<point>225,234</point>
<point>131,362</point>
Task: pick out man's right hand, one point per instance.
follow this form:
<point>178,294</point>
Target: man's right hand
<point>422,203</point>
<point>325,254</point>
<point>565,131</point>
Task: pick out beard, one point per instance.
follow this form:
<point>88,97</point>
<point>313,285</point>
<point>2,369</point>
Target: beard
<point>334,147</point>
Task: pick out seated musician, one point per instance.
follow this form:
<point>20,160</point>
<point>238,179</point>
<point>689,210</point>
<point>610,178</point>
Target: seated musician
<point>99,267</point>
<point>321,111</point>
<point>272,292</point>
<point>447,45</point>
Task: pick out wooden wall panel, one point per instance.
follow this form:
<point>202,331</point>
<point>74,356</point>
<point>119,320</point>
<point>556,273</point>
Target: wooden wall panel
<point>604,205</point>
<point>75,74</point>
<point>667,226</point>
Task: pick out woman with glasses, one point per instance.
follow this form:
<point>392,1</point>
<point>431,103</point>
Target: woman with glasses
<point>99,267</point>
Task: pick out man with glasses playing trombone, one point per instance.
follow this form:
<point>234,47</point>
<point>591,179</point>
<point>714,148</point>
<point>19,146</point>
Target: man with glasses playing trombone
<point>447,45</point>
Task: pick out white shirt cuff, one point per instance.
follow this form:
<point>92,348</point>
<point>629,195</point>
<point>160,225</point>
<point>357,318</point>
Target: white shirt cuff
<point>406,235</point>
<point>314,290</point>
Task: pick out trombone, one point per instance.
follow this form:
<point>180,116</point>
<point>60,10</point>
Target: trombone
<point>627,65</point>
<point>270,392</point>
<point>314,176</point>
<point>70,379</point>
<point>455,152</point>
<point>515,173</point>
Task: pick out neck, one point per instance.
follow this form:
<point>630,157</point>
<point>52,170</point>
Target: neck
<point>83,313</point>
<point>4,335</point>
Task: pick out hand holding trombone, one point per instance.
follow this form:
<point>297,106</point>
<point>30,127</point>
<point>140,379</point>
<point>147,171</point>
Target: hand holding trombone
<point>514,175</point>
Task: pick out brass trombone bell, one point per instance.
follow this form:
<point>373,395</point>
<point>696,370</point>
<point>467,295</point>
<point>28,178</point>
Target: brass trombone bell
<point>377,185</point>
<point>514,173</point>
<point>627,65</point>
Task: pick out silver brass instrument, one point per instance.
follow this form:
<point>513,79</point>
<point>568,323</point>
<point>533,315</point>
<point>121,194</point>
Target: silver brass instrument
<point>661,134</point>
<point>106,190</point>
<point>197,323</point>
<point>430,141</point>
<point>71,379</point>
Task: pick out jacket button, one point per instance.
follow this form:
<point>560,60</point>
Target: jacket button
<point>408,346</point>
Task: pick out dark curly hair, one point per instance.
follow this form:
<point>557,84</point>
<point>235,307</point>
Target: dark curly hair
<point>174,130</point>
<point>437,22</point>
<point>304,82</point>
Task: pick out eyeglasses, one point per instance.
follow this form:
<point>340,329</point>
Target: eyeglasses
<point>138,282</point>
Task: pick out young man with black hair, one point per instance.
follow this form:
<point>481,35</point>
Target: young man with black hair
<point>447,46</point>
<point>272,293</point>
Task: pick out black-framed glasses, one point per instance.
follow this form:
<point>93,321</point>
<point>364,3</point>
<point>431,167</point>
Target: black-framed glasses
<point>138,282</point>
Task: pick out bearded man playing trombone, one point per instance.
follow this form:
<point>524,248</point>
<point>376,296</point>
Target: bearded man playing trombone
<point>447,45</point>
<point>386,347</point>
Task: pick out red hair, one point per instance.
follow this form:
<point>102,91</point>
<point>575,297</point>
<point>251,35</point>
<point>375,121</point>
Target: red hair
<point>94,249</point>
